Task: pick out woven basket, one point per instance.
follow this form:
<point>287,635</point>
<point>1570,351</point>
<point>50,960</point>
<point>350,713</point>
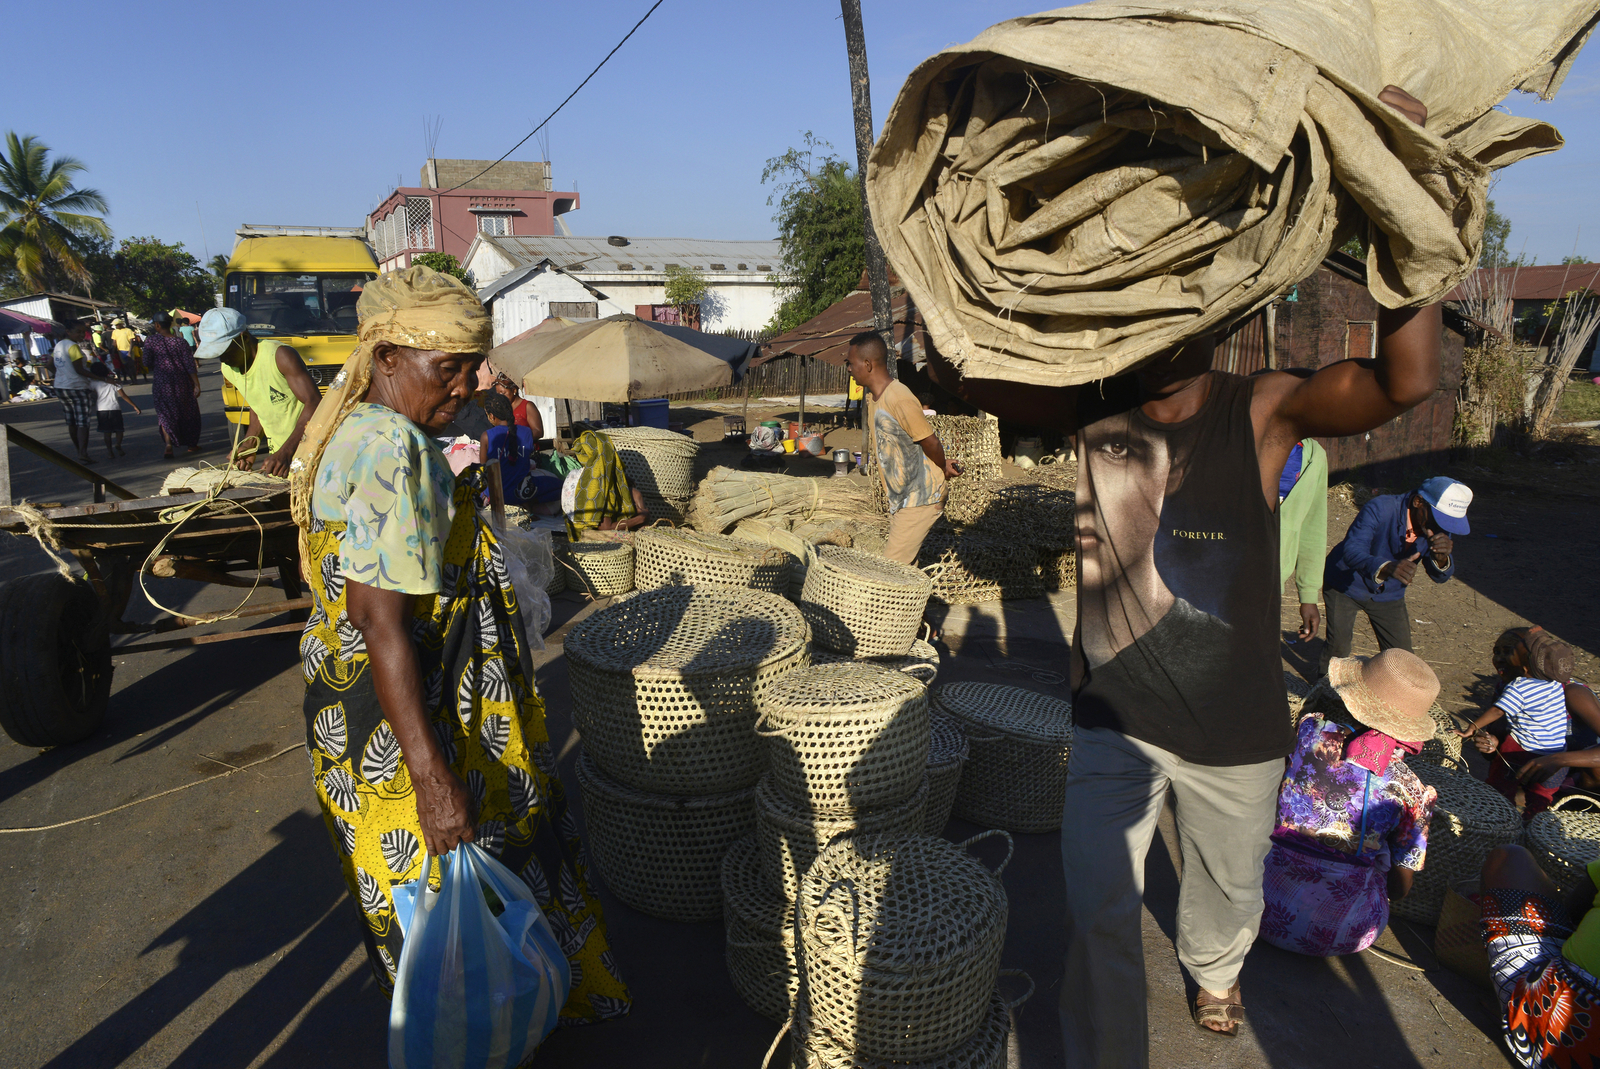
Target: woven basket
<point>1016,776</point>
<point>600,569</point>
<point>1469,819</point>
<point>921,664</point>
<point>947,753</point>
<point>664,556</point>
<point>845,737</point>
<point>973,442</point>
<point>558,577</point>
<point>665,684</point>
<point>661,854</point>
<point>900,940</point>
<point>1564,842</point>
<point>863,605</point>
<point>814,1048</point>
<point>972,565</point>
<point>658,463</point>
<point>790,838</point>
<point>799,550</point>
<point>760,929</point>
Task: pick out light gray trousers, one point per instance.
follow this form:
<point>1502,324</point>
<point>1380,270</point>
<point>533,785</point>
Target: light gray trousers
<point>1115,789</point>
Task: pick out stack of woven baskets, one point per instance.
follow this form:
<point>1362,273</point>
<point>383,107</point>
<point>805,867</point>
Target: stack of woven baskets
<point>862,605</point>
<point>665,556</point>
<point>665,692</point>
<point>899,941</point>
<point>660,465</point>
<point>1016,775</point>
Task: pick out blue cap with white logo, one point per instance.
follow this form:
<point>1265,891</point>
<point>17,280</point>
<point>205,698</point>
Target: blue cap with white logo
<point>1449,500</point>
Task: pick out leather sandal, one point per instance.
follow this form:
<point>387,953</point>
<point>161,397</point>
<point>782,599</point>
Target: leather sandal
<point>1227,1012</point>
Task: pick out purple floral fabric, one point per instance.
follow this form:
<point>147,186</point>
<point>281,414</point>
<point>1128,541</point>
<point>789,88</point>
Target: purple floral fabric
<point>1322,906</point>
<point>177,409</point>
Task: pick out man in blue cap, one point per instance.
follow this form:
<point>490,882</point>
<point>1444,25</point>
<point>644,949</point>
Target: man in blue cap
<point>1370,570</point>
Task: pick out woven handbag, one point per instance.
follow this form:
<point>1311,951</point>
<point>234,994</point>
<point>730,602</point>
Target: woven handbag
<point>661,854</point>
<point>863,605</point>
<point>790,838</point>
<point>665,684</point>
<point>1564,841</point>
<point>900,940</point>
<point>666,556</point>
<point>601,569</point>
<point>814,1048</point>
<point>760,928</point>
<point>921,663</point>
<point>1016,775</point>
<point>1469,819</point>
<point>947,753</point>
<point>845,737</point>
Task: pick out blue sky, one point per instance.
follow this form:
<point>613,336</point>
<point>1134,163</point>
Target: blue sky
<point>308,113</point>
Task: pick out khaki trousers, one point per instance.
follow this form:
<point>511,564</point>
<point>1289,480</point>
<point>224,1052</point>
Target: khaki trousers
<point>907,529</point>
<point>1115,789</point>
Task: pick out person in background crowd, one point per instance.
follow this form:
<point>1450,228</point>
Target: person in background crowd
<point>1536,668</point>
<point>854,404</point>
<point>1352,816</point>
<point>522,481</point>
<point>109,396</point>
<point>523,413</point>
<point>910,456</point>
<point>18,377</point>
<point>1370,569</point>
<point>175,387</point>
<point>1303,528</point>
<point>597,497</point>
<point>74,388</point>
<point>122,342</point>
<point>186,329</point>
<point>278,389</point>
<point>136,357</point>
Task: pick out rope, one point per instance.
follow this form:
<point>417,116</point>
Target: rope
<point>153,797</point>
<point>42,531</point>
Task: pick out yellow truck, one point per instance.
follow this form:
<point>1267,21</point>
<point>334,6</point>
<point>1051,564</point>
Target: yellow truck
<point>298,286</point>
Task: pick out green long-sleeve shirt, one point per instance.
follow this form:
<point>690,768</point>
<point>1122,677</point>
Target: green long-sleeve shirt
<point>1303,524</point>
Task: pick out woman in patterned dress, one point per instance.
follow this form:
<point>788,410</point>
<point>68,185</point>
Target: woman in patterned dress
<point>174,384</point>
<point>423,723</point>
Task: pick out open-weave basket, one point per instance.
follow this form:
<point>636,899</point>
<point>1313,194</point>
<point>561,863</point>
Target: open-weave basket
<point>665,684</point>
<point>973,442</point>
<point>600,569</point>
<point>1564,841</point>
<point>1016,775</point>
<point>947,754</point>
<point>845,737</point>
<point>861,604</point>
<point>664,556</point>
<point>814,1048</point>
<point>921,663</point>
<point>900,940</point>
<point>970,565</point>
<point>558,576</point>
<point>790,837</point>
<point>658,463</point>
<point>662,854</point>
<point>759,924</point>
<point>1469,819</point>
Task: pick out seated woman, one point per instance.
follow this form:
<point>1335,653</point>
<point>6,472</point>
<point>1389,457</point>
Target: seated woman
<point>597,497</point>
<point>524,483</point>
<point>423,722</point>
<point>1352,816</point>
<point>1544,956</point>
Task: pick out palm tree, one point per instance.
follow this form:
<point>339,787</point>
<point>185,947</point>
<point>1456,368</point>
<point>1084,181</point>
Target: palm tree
<point>43,215</point>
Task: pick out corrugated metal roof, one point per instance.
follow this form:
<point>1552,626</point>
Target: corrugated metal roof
<point>826,335</point>
<point>598,256</point>
<point>1547,283</point>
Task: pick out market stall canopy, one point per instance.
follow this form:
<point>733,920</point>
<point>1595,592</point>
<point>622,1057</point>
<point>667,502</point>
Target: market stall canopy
<point>619,358</point>
<point>25,324</point>
<point>734,351</point>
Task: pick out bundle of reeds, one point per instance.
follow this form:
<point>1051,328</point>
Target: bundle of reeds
<point>727,496</point>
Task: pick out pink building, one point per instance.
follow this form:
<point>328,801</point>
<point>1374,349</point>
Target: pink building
<point>460,199</point>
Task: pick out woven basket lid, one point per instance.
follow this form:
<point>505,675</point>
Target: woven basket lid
<point>748,895</point>
<point>597,548</point>
<point>1021,714</point>
<point>1467,798</point>
<point>872,568</point>
<point>711,545</point>
<point>1572,836</point>
<point>949,745</point>
<point>841,688</point>
<point>899,903</point>
<point>689,630</point>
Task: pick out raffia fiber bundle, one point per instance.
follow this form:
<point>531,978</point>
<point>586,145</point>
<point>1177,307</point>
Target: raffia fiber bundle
<point>727,496</point>
<point>1075,191</point>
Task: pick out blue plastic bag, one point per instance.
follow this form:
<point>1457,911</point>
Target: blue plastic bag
<point>473,990</point>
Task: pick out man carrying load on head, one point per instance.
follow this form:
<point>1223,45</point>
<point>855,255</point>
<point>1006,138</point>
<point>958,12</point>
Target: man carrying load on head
<point>910,456</point>
<point>280,392</point>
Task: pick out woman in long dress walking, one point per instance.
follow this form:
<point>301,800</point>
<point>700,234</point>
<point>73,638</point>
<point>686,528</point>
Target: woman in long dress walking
<point>175,385</point>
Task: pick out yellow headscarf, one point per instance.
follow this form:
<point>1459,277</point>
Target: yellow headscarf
<point>418,308</point>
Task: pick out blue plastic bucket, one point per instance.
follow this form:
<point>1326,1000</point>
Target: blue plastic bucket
<point>651,413</point>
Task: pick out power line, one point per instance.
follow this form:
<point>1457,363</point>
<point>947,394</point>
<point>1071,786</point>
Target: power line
<point>563,104</point>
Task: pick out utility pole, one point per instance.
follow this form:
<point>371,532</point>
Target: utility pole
<point>855,42</point>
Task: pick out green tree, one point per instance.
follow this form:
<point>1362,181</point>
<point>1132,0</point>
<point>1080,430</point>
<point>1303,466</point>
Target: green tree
<point>685,287</point>
<point>219,270</point>
<point>1575,260</point>
<point>1497,243</point>
<point>150,276</point>
<point>443,263</point>
<point>820,229</point>
<point>45,219</point>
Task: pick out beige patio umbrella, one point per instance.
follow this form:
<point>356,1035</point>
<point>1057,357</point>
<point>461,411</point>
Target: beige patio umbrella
<point>615,359</point>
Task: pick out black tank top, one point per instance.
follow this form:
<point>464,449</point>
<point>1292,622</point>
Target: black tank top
<point>1178,578</point>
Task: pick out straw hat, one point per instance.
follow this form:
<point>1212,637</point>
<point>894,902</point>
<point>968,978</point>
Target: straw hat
<point>1391,692</point>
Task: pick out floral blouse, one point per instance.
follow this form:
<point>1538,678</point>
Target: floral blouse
<point>1324,797</point>
<point>391,485</point>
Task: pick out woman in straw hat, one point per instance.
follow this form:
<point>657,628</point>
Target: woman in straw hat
<point>423,723</point>
<point>1352,816</point>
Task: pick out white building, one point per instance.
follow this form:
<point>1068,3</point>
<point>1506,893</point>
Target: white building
<point>525,280</point>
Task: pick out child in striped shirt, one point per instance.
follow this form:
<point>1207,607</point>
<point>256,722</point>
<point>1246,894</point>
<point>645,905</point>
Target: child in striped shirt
<point>1534,704</point>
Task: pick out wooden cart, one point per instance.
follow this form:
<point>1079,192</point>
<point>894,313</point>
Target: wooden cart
<point>56,634</point>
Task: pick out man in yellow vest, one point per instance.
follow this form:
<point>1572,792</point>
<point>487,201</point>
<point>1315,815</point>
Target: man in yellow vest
<point>278,390</point>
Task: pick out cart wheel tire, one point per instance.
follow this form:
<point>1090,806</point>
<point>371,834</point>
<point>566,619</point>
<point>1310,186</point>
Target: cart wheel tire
<point>55,660</point>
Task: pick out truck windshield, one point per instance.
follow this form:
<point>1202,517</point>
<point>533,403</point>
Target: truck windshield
<point>296,304</point>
